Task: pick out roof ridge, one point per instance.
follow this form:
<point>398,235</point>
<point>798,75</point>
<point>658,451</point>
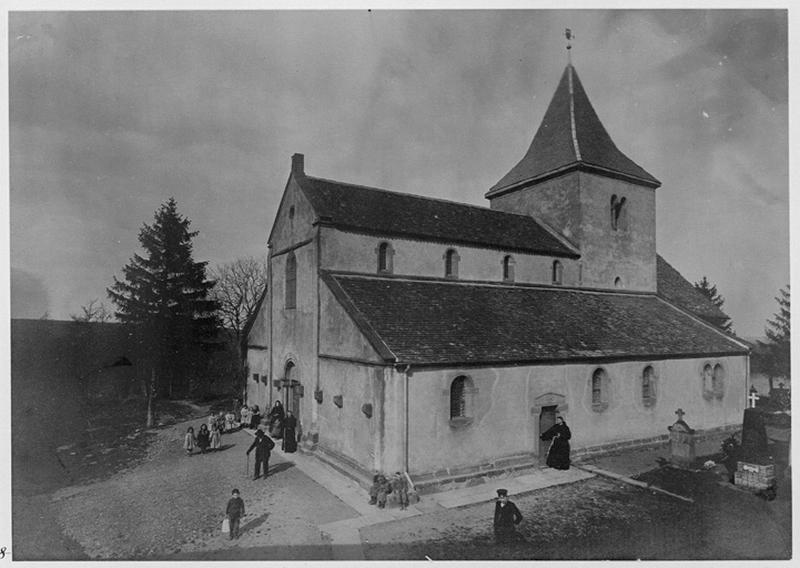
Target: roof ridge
<point>575,144</point>
<point>424,198</point>
<point>490,284</point>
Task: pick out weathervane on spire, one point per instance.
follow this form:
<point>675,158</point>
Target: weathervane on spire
<point>569,35</point>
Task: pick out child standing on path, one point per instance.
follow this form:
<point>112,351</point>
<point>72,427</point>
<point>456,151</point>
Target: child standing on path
<point>383,490</point>
<point>189,441</point>
<point>234,512</point>
<point>216,437</point>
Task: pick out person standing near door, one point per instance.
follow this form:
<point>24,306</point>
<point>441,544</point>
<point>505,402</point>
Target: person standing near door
<point>558,454</point>
<point>289,444</point>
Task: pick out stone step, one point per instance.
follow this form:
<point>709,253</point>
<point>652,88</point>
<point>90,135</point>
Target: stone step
<point>451,480</point>
<point>360,477</point>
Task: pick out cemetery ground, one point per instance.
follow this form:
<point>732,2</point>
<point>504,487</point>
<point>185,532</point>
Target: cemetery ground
<point>135,495</point>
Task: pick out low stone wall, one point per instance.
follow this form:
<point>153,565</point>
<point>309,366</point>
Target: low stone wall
<point>700,436</point>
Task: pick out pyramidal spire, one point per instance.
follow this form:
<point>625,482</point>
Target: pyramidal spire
<point>571,137</point>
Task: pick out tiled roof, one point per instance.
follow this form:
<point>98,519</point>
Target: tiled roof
<point>440,322</point>
<point>675,288</point>
<point>572,136</point>
<point>403,215</point>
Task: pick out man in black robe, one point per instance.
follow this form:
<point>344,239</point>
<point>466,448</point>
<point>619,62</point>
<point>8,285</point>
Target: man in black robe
<point>289,443</point>
<point>558,454</point>
<point>506,518</point>
<point>263,445</point>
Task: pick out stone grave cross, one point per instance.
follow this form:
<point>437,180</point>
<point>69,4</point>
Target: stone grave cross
<point>680,413</point>
<point>753,397</point>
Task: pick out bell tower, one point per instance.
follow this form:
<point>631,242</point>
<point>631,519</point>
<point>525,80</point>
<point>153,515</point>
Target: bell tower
<point>574,178</point>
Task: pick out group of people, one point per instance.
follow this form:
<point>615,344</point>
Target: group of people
<point>250,417</point>
<point>283,426</point>
<point>205,439</point>
<point>382,486</point>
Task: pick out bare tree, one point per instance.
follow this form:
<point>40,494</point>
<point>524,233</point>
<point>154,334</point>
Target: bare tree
<point>93,311</point>
<point>240,285</point>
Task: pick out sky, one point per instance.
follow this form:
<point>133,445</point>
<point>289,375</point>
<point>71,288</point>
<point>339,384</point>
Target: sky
<point>113,113</point>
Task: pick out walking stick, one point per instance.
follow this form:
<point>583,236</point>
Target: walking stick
<point>553,441</point>
<point>247,466</point>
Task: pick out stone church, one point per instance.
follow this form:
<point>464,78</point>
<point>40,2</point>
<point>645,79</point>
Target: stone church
<point>415,334</point>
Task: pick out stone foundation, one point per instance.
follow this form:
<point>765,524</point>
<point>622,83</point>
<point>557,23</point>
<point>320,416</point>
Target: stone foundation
<point>502,468</point>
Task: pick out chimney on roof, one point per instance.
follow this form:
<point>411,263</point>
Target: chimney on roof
<point>298,164</point>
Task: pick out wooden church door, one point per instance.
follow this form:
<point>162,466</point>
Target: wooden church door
<point>546,420</point>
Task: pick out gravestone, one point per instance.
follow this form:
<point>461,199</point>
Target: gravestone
<point>681,442</point>
<point>754,447</point>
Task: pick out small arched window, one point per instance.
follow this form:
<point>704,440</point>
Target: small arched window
<point>451,264</point>
<point>718,381</point>
<point>508,268</point>
<point>291,212</point>
<point>708,380</point>
<point>618,213</point>
<point>558,272</point>
<point>291,281</point>
<point>599,390</point>
<point>617,282</point>
<point>649,386</point>
<point>385,257</point>
<point>458,402</point>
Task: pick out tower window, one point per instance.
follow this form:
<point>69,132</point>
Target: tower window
<point>291,281</point>
<point>385,258</point>
<point>451,259</point>
<point>618,213</point>
<point>508,268</point>
<point>558,272</point>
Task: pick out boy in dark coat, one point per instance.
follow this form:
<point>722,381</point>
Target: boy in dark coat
<point>263,445</point>
<point>506,517</point>
<point>234,512</point>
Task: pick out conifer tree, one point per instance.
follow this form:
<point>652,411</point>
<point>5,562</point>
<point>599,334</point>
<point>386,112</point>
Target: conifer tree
<point>164,295</point>
<point>778,347</point>
<point>709,290</point>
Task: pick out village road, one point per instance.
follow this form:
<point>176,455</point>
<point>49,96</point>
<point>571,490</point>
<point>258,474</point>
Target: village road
<point>172,506</point>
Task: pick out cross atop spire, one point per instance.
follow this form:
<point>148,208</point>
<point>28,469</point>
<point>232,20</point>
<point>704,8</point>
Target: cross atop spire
<point>569,35</point>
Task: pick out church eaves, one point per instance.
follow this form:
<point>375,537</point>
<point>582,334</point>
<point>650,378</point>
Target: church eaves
<point>571,137</point>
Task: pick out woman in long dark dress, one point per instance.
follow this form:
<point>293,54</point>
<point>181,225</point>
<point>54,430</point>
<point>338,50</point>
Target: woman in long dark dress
<point>203,438</point>
<point>558,454</point>
<point>255,417</point>
<point>289,444</point>
<point>276,419</point>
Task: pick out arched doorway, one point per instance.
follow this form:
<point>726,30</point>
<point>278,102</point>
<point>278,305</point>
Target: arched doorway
<point>544,410</point>
<point>293,391</point>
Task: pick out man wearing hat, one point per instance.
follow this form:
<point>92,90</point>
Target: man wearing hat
<point>263,445</point>
<point>506,518</point>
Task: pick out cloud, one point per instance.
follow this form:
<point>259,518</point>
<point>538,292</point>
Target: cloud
<point>113,112</point>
